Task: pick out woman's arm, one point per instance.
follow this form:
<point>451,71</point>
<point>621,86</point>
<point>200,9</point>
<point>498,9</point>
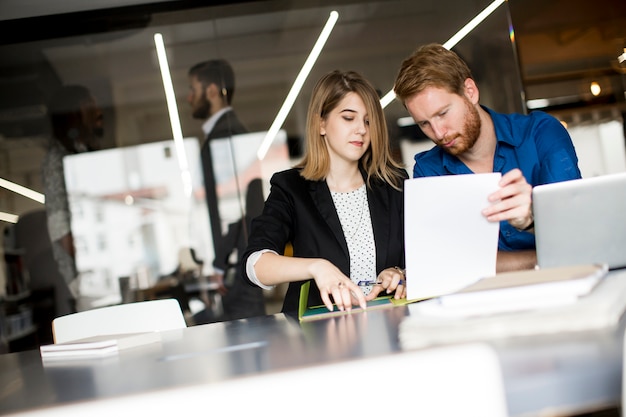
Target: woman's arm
<point>273,269</point>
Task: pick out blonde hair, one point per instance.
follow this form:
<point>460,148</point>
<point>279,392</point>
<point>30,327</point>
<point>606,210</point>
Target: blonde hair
<point>431,65</point>
<point>327,93</point>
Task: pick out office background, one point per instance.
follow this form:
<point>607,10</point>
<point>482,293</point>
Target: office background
<point>528,54</point>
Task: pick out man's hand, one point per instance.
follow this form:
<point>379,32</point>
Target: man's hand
<point>512,202</point>
<point>219,279</point>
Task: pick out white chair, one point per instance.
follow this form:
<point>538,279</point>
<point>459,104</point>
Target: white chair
<point>142,316</point>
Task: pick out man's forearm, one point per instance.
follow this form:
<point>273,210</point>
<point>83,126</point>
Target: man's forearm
<point>516,260</point>
<point>67,242</point>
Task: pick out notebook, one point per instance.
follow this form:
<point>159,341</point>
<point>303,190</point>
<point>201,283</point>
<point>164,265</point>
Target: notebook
<point>581,221</point>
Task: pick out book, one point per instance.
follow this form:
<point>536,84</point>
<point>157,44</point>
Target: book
<point>527,289</point>
<point>97,346</point>
<point>431,324</point>
<point>319,312</point>
<point>308,313</point>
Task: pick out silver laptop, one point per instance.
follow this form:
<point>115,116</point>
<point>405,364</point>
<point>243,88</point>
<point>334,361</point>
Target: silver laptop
<point>581,221</point>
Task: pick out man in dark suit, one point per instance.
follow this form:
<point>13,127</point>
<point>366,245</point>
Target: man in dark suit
<point>211,91</point>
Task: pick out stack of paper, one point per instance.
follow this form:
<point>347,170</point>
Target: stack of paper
<point>98,346</point>
<point>449,244</point>
<point>432,323</point>
<point>525,290</point>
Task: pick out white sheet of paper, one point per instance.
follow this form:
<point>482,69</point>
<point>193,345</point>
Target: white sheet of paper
<point>449,244</point>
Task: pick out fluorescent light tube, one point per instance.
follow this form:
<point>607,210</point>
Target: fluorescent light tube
<point>177,131</point>
<point>297,85</point>
<point>26,192</point>
<point>456,38</point>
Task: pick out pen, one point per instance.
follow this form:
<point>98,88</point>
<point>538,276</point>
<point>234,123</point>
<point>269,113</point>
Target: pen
<point>366,283</point>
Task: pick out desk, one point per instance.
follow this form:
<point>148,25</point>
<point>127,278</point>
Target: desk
<point>565,374</point>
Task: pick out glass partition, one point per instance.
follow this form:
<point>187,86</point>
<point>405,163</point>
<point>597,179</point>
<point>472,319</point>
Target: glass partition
<point>113,52</point>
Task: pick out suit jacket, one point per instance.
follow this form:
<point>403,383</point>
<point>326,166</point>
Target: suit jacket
<point>242,300</point>
<point>225,127</point>
<point>302,212</point>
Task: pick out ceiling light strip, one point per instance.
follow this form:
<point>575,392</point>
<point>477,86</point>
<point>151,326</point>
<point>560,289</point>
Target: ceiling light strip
<point>297,85</point>
<point>177,131</point>
<point>456,38</point>
<point>26,192</point>
<point>8,217</point>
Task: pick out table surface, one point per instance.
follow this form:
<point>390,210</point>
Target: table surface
<point>566,373</point>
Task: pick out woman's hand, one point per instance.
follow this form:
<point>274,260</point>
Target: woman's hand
<point>333,283</point>
<point>391,279</point>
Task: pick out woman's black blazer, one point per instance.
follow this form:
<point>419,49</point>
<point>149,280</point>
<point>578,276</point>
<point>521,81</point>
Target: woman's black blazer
<point>302,212</point>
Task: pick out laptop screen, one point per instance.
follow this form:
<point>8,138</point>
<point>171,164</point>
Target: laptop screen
<point>581,221</point>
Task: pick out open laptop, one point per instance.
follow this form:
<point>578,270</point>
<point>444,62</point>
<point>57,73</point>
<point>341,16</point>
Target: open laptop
<point>581,221</point>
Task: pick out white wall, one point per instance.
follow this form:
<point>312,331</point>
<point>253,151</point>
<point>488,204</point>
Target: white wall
<point>600,148</point>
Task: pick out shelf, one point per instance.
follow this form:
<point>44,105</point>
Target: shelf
<point>12,298</point>
<point>25,313</point>
<point>22,333</point>
<point>14,252</point>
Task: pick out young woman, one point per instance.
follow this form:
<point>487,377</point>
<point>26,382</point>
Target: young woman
<point>341,207</point>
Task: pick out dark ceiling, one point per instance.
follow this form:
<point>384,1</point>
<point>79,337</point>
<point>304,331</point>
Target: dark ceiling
<point>562,45</point>
<point>565,44</point>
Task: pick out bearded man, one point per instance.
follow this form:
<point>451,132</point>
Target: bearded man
<point>437,88</point>
<point>211,92</point>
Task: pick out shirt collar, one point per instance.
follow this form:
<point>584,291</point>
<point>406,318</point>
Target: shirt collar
<point>208,126</point>
<point>501,127</point>
<point>454,165</point>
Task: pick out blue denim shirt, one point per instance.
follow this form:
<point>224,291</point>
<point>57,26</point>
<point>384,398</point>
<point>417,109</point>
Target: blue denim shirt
<point>536,143</point>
